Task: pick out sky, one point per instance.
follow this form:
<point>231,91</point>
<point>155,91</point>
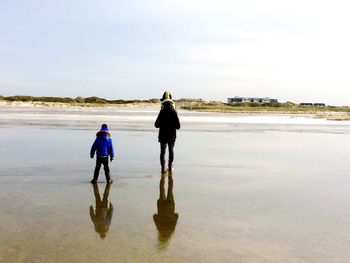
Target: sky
<point>290,50</point>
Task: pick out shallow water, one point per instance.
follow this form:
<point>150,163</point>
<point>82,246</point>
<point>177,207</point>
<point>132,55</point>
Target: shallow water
<point>241,192</point>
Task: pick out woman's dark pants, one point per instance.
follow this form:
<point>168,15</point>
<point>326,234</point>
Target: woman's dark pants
<point>104,161</point>
<point>163,146</point>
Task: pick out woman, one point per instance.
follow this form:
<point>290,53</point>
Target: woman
<point>167,122</point>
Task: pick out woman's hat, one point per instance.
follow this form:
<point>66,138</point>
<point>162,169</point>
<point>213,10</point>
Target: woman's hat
<point>166,97</point>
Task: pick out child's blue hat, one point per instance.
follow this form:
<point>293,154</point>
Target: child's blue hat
<point>104,127</point>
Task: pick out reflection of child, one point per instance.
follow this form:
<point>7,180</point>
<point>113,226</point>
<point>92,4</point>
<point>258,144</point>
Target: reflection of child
<point>103,147</point>
<point>102,216</point>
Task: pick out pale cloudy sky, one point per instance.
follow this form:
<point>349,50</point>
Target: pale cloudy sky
<point>290,50</point>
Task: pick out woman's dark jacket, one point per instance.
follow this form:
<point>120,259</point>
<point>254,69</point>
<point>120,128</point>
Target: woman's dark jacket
<point>167,122</point>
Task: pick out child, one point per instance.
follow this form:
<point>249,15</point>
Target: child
<point>103,147</point>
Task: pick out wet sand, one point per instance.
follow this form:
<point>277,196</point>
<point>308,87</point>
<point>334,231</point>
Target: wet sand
<point>247,190</point>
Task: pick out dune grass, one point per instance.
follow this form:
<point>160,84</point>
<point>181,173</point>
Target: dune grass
<point>287,107</point>
<point>187,104</point>
<point>73,101</point>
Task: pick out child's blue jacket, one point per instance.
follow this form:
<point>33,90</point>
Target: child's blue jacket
<point>102,145</point>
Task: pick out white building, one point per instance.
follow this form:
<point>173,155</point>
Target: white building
<point>250,99</point>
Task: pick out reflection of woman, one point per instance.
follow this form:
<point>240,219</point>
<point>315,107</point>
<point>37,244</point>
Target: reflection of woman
<point>167,122</point>
<point>166,218</point>
<point>102,216</point>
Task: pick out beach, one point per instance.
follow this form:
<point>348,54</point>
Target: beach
<point>245,188</point>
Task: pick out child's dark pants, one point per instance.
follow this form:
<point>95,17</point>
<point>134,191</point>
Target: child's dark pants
<point>104,161</point>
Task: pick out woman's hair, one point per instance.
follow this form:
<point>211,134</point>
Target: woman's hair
<point>167,106</point>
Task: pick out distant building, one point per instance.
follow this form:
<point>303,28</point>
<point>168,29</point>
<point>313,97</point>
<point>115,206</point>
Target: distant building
<point>250,99</point>
<point>312,104</point>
